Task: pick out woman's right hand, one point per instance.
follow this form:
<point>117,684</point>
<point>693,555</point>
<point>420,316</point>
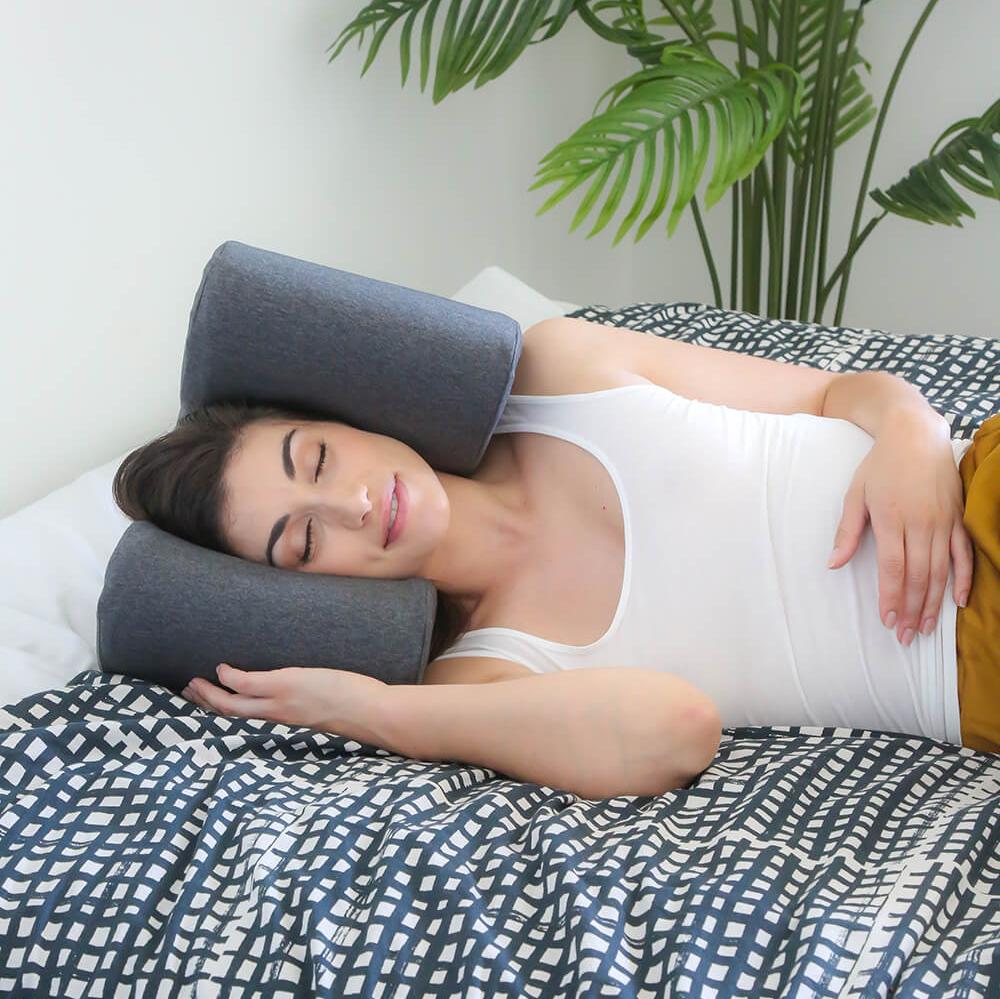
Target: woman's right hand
<point>329,700</point>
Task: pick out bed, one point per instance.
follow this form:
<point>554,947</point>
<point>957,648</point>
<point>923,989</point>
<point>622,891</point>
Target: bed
<point>148,847</point>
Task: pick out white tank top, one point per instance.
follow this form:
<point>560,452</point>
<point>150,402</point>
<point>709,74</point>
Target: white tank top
<point>729,519</point>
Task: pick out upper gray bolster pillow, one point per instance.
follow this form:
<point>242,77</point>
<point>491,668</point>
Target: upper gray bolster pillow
<point>266,328</point>
<point>426,370</point>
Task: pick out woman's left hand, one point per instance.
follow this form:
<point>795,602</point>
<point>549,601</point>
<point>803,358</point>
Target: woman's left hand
<point>330,700</point>
<point>911,489</point>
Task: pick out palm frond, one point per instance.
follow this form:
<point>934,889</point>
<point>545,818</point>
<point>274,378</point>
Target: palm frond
<point>749,112</point>
<point>971,158</point>
<point>482,47</point>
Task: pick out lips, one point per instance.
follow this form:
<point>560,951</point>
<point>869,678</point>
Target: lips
<point>387,511</point>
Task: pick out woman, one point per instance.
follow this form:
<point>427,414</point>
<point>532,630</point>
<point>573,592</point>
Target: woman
<point>617,519</point>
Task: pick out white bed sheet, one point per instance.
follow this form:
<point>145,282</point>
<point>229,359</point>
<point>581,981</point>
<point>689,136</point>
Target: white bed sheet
<point>55,550</point>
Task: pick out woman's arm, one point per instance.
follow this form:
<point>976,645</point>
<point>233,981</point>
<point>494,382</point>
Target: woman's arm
<point>872,400</point>
<point>597,732</point>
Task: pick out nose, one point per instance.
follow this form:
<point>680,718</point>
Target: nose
<point>353,504</point>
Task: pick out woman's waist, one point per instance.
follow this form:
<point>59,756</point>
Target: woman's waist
<point>783,636</point>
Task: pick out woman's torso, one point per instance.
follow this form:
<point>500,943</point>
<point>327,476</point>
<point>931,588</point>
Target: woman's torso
<point>732,515</point>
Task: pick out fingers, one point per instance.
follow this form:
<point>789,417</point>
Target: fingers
<point>940,563</point>
<point>913,575</point>
<point>853,521</point>
<point>914,579</point>
<point>258,683</point>
<point>192,693</point>
<point>963,554</point>
<point>213,698</point>
<point>244,703</point>
<point>891,563</point>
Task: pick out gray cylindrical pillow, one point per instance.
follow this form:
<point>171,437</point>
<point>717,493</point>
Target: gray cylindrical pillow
<point>171,610</point>
<point>268,328</point>
<point>429,371</point>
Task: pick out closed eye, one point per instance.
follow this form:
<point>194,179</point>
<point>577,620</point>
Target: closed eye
<point>319,467</point>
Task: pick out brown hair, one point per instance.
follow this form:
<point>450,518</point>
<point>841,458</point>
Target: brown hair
<point>176,482</point>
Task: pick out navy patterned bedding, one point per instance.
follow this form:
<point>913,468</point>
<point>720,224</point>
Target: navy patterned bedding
<point>150,848</point>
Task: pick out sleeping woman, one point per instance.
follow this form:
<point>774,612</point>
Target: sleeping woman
<point>640,559</point>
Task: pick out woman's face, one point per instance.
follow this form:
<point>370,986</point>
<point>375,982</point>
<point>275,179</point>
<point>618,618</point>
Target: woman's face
<point>277,494</point>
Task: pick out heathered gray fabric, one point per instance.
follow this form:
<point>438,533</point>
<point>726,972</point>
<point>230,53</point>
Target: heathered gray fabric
<point>426,370</point>
<point>170,610</point>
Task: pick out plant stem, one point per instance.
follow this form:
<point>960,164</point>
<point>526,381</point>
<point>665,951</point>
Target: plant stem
<point>734,241</point>
<point>845,68</point>
<point>817,144</point>
<point>737,242</point>
<point>863,190</point>
<point>759,201</point>
<point>746,243</point>
<point>800,178</point>
<point>855,246</point>
<point>692,31</point>
<point>772,234</point>
<point>763,193</point>
<point>779,165</point>
<point>703,236</point>
<point>759,179</point>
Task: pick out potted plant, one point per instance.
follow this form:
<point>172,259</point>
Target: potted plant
<point>792,96</point>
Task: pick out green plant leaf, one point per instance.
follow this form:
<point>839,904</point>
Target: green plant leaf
<point>630,16</point>
<point>621,182</point>
<point>628,28</point>
<point>404,46</point>
<point>661,198</point>
<point>591,195</point>
<point>971,158</point>
<point>426,35</point>
<point>695,16</point>
<point>648,166</point>
<point>670,99</point>
<point>577,180</point>
<point>483,43</point>
<point>481,46</point>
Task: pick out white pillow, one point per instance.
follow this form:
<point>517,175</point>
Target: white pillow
<point>54,553</point>
<point>55,550</point>
<point>493,288</point>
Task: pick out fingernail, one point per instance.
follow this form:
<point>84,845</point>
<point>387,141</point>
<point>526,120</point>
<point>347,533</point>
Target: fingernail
<point>928,626</point>
<point>963,599</point>
<point>890,621</point>
<point>907,636</point>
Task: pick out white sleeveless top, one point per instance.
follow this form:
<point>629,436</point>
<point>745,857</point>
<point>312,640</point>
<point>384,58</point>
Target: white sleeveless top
<point>729,519</point>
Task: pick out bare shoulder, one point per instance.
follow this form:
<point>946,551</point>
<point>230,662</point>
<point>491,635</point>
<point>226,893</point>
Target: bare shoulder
<point>474,669</point>
<point>565,352</point>
<point>561,356</point>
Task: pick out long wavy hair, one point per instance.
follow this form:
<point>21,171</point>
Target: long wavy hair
<point>176,482</point>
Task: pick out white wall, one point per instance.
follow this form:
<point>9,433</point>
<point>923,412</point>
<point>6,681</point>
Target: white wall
<point>140,136</point>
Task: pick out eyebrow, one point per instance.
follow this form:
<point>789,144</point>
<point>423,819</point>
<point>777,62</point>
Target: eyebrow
<point>279,524</point>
